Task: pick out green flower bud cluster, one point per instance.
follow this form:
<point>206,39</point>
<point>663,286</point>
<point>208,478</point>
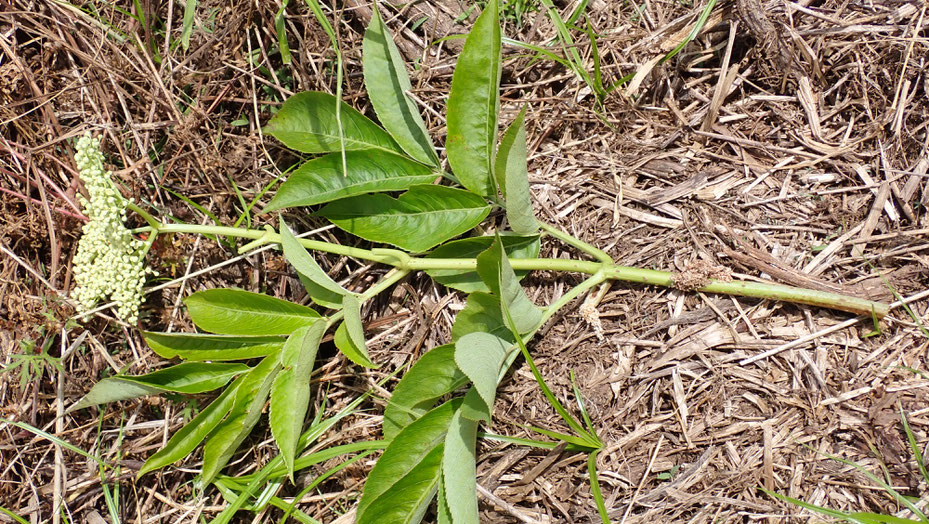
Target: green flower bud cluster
<point>109,262</point>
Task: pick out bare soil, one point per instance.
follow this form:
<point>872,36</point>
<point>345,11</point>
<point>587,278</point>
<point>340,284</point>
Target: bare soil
<point>787,143</point>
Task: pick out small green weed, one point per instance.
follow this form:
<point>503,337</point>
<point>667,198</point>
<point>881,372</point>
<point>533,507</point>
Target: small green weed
<point>861,517</point>
<point>33,362</point>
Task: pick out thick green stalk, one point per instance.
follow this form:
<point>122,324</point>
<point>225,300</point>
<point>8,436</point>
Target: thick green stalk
<point>610,271</point>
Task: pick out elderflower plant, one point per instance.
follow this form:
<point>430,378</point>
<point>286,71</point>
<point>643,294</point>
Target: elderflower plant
<point>109,262</point>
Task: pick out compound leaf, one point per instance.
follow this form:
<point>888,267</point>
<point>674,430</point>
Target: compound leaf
<point>419,219</point>
<point>238,312</point>
<point>307,122</point>
<point>473,105</point>
<point>388,83</point>
<point>321,180</point>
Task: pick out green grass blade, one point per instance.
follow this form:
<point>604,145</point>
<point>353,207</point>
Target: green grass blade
<point>518,440</point>
<point>897,496</point>
<point>595,487</point>
<point>880,482</point>
<point>914,446</point>
<point>567,42</point>
<point>67,445</point>
<point>582,408</point>
<point>578,11</point>
<point>196,206</point>
<point>540,51</point>
<point>281,29</point>
<point>698,26</point>
<point>856,518</point>
<point>245,207</point>
<point>291,508</point>
<point>597,84</point>
<point>333,40</point>
<point>582,442</point>
<point>13,516</point>
<point>569,420</point>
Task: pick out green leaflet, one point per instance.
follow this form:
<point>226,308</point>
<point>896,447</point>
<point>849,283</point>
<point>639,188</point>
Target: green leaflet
<point>201,347</point>
<point>189,377</point>
<point>459,470</point>
<point>307,122</point>
<point>237,312</point>
<point>468,281</point>
<point>250,398</point>
<point>419,219</point>
<point>403,482</point>
<point>184,440</point>
<point>290,391</point>
<point>387,83</point>
<point>322,289</point>
<point>480,356</point>
<point>432,376</point>
<point>496,272</point>
<point>373,171</point>
<point>443,514</point>
<point>473,406</point>
<point>350,336</point>
<point>473,105</point>
<point>513,178</point>
<point>481,314</point>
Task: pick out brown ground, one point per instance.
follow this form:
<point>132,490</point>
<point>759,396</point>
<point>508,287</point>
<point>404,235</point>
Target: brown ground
<point>805,162</point>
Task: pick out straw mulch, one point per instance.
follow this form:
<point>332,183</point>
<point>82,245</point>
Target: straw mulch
<point>788,142</point>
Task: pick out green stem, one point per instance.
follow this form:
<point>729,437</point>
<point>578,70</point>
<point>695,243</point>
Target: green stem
<point>402,261</point>
<point>595,252</point>
<point>575,292</point>
<point>392,277</point>
<point>155,225</point>
<point>755,289</point>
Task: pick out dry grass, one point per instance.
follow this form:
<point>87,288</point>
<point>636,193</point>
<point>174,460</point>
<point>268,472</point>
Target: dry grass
<point>789,142</point>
